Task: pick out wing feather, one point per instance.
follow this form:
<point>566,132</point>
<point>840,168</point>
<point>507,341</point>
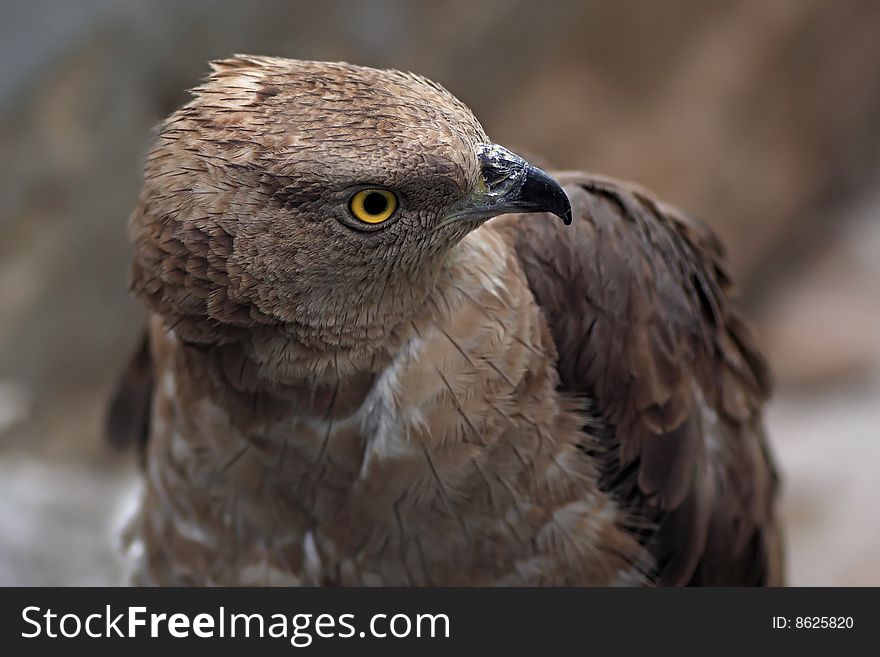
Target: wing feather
<point>127,421</point>
<point>638,301</point>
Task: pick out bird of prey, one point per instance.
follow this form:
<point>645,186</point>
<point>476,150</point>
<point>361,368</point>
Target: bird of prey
<point>383,350</point>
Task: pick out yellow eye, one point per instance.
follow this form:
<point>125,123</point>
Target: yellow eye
<point>373,206</point>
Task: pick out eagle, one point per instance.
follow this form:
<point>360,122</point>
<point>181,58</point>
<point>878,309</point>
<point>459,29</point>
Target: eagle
<point>383,350</point>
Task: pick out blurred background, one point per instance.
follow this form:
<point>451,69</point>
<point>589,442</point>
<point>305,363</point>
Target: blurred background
<point>762,118</point>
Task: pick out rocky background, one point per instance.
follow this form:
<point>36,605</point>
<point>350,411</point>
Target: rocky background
<point>763,118</point>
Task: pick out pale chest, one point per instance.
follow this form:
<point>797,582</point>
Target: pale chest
<point>459,466</point>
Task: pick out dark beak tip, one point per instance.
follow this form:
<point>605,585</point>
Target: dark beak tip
<point>564,212</point>
<point>544,193</point>
<point>559,204</point>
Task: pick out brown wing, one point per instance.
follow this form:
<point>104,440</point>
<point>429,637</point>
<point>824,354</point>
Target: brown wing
<point>637,300</point>
<point>128,414</point>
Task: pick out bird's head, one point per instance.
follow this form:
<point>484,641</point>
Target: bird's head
<point>322,196</point>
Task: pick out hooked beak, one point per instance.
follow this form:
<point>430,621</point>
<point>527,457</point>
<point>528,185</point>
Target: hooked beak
<point>510,184</point>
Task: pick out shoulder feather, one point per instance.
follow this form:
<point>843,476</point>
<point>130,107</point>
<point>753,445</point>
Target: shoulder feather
<point>638,301</point>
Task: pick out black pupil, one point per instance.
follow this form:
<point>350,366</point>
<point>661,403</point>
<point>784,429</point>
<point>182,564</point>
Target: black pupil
<point>375,203</point>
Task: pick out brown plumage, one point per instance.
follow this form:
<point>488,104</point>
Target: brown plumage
<point>427,398</point>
